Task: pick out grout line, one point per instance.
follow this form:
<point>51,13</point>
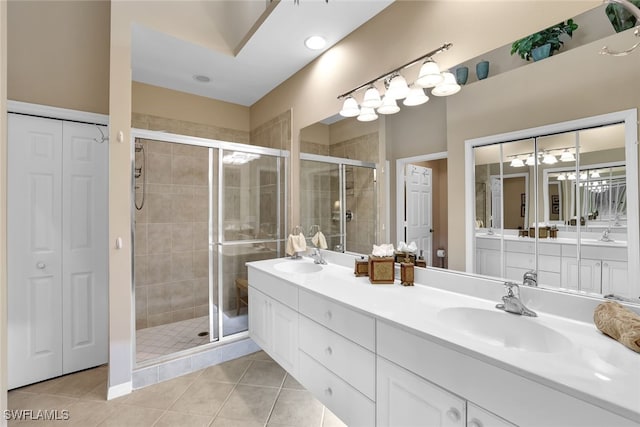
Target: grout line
<point>276,399</point>
<point>231,392</point>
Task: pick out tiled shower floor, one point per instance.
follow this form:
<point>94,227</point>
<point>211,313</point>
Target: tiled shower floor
<point>166,339</point>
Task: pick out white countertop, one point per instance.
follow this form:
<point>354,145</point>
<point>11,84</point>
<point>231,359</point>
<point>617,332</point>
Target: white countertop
<point>594,368</point>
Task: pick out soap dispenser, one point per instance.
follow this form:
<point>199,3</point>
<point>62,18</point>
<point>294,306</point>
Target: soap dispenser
<point>361,267</point>
<point>406,272</point>
<point>421,262</point>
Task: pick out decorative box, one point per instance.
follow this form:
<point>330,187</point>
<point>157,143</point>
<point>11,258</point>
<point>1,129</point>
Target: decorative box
<point>543,232</point>
<point>421,262</point>
<point>406,273</point>
<point>361,267</point>
<point>523,233</point>
<point>553,232</point>
<point>401,256</point>
<point>381,270</point>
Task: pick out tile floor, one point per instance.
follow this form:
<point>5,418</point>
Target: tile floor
<point>250,391</point>
<point>166,339</point>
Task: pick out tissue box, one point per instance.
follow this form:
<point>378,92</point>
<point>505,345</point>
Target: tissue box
<point>401,256</point>
<point>381,270</point>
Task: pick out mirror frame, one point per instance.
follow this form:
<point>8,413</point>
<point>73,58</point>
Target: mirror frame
<point>630,120</point>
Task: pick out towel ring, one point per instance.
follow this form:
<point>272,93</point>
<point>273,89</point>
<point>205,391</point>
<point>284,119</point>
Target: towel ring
<point>313,228</point>
<point>633,9</point>
<point>297,229</point>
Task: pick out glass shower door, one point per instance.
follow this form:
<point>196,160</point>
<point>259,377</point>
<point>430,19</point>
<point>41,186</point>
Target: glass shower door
<point>360,208</point>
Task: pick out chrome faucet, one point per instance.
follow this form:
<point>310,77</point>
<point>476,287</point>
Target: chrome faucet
<point>530,278</point>
<point>511,302</point>
<point>605,236</point>
<point>317,257</point>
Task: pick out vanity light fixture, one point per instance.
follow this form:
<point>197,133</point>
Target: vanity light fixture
<point>561,177</point>
<point>396,86</point>
<point>595,174</point>
<point>549,159</point>
<point>531,160</point>
<point>416,96</point>
<point>583,176</point>
<point>239,158</point>
<point>571,176</point>
<point>516,162</point>
<point>567,156</point>
<point>367,114</point>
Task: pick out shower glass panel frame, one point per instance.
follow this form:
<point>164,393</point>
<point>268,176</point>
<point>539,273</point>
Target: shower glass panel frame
<point>271,244</point>
<point>346,167</point>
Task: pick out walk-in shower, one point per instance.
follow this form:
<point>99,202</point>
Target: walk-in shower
<point>203,209</point>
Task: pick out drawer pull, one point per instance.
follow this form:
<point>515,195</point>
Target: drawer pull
<point>329,351</point>
<point>328,391</point>
<point>40,265</point>
<point>454,415</point>
<point>475,423</point>
<point>328,315</point>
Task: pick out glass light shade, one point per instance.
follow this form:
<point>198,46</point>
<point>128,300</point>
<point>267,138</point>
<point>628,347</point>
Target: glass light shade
<point>583,176</point>
<point>571,176</point>
<point>398,87</point>
<point>372,98</point>
<point>367,114</point>
<point>429,75</point>
<point>562,177</point>
<point>595,174</point>
<point>567,157</point>
<point>549,159</point>
<point>447,87</point>
<point>350,107</point>
<point>517,163</point>
<point>416,97</point>
<point>389,105</point>
<point>531,160</point>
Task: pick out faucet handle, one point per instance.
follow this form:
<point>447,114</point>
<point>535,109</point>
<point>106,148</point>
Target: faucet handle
<point>510,286</point>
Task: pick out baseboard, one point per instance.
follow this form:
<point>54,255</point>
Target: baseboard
<point>119,390</point>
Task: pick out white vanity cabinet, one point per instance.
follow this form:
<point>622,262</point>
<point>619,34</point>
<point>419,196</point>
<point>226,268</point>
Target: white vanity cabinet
<point>273,323</point>
<point>488,257</point>
<point>478,417</point>
<point>337,359</point>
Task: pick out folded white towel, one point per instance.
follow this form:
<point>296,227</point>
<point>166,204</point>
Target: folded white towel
<point>289,246</point>
<point>383,250</point>
<point>411,247</point>
<point>319,240</point>
<point>299,243</point>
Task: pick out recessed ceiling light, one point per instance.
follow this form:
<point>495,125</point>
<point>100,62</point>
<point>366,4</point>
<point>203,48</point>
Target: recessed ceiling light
<point>315,42</point>
<point>201,78</point>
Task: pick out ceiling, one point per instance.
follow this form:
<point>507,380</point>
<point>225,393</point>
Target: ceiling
<point>268,40</point>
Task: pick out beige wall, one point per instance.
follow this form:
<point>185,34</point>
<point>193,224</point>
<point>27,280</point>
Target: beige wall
<point>3,209</point>
<point>578,83</point>
<point>58,53</point>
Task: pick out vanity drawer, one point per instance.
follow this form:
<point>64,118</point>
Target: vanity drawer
<point>351,362</point>
<point>595,252</point>
<point>277,289</point>
<point>548,278</point>
<point>484,243</point>
<point>346,402</point>
<point>528,261</point>
<point>529,247</point>
<point>356,326</point>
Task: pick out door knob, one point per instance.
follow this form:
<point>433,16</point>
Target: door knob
<point>40,265</point>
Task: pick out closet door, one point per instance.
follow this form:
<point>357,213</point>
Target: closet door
<point>84,247</point>
<point>34,215</point>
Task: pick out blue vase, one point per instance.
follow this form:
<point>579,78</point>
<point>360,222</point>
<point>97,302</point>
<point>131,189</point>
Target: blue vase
<point>541,52</point>
<point>462,74</point>
<point>482,70</point>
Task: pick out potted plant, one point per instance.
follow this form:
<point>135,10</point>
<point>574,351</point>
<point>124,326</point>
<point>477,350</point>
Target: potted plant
<point>620,17</point>
<point>544,42</point>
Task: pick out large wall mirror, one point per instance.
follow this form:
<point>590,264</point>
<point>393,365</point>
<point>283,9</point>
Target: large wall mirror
<point>562,202</point>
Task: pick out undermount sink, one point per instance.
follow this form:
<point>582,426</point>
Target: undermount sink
<point>505,329</point>
<point>298,267</point>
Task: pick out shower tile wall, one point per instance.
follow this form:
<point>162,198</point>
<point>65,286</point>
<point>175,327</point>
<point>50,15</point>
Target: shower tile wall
<point>171,246</point>
<point>359,191</point>
<point>275,133</point>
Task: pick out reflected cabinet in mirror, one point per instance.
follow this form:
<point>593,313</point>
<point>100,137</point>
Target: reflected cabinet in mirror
<point>561,203</point>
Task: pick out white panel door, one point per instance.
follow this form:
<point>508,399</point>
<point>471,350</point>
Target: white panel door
<point>34,234</point>
<point>419,208</point>
<point>590,279</point>
<point>615,277</point>
<point>284,336</point>
<point>84,247</point>
<point>404,399</point>
<point>260,328</point>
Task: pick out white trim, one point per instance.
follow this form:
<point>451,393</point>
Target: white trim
<point>400,199</point>
<point>56,113</point>
<point>470,207</point>
<point>119,390</point>
<point>336,160</point>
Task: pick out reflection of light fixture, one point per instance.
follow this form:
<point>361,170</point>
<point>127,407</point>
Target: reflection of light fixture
<point>416,97</point>
<point>239,158</point>
<point>571,176</point>
<point>367,114</point>
<point>549,159</point>
<point>350,107</point>
<point>531,160</point>
<point>567,156</point>
<point>516,162</point>
<point>389,105</point>
<point>397,87</point>
<point>372,98</point>
<point>583,176</point>
<point>595,174</point>
<point>561,177</point>
<point>448,86</point>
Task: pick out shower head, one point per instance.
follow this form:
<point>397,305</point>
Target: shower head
<point>139,147</point>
